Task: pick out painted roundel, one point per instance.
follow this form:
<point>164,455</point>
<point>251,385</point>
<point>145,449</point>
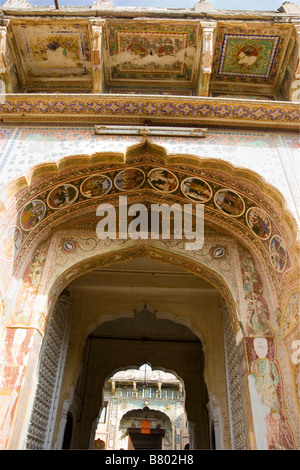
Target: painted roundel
<point>163,180</point>
<point>12,241</point>
<point>62,196</point>
<point>196,189</point>
<point>229,202</point>
<point>278,253</point>
<point>96,186</point>
<point>259,222</point>
<point>129,179</point>
<point>32,214</point>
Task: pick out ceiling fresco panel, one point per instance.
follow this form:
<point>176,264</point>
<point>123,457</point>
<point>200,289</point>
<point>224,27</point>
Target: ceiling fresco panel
<point>249,58</point>
<point>56,51</point>
<point>154,53</point>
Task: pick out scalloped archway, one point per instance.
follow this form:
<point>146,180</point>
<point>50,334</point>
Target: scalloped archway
<point>250,250</point>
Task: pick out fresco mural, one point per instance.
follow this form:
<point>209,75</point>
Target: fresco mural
<point>163,180</point>
<point>127,180</point>
<point>196,189</point>
<point>62,49</point>
<point>278,253</point>
<point>259,222</point>
<point>32,214</point>
<point>248,55</point>
<point>229,202</point>
<point>62,196</point>
<point>12,241</point>
<point>151,52</point>
<point>272,430</point>
<point>96,186</point>
<point>257,312</point>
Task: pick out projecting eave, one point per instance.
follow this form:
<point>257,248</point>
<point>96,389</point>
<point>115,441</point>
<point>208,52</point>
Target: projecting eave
<point>135,12</point>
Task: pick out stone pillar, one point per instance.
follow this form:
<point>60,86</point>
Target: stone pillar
<point>49,378</point>
<point>234,388</point>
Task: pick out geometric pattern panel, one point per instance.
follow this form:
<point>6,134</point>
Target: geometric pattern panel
<point>247,56</point>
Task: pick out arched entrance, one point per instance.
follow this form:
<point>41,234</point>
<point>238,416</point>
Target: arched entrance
<point>249,269</point>
<point>134,340</point>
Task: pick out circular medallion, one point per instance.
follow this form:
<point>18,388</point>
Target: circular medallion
<point>95,186</point>
<point>69,246</point>
<point>229,202</point>
<point>163,180</point>
<point>62,196</point>
<point>278,253</point>
<point>196,189</point>
<point>12,241</point>
<point>259,222</point>
<point>129,179</point>
<point>32,214</point>
<point>219,253</point>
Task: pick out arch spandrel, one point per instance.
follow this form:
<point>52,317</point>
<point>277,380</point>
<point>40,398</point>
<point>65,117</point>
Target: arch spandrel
<point>43,178</point>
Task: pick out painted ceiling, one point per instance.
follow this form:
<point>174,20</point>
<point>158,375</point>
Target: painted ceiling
<point>164,54</point>
<point>154,56</point>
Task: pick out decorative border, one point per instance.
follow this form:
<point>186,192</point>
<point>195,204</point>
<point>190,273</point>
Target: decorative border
<point>276,255</point>
<point>116,109</point>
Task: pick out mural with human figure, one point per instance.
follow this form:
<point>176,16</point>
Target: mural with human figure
<point>271,428</point>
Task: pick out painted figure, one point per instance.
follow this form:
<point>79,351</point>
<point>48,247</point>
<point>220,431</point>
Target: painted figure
<point>247,56</point>
<point>278,253</point>
<point>62,196</point>
<point>259,222</point>
<point>163,180</point>
<point>229,202</point>
<point>95,186</point>
<point>32,214</point>
<point>271,429</point>
<point>196,189</point>
<point>129,179</point>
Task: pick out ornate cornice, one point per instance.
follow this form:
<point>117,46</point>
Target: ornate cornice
<point>160,110</point>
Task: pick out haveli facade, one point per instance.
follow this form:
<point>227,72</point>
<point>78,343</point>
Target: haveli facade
<point>142,409</point>
<point>160,106</point>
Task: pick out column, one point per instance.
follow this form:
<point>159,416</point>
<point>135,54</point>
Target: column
<point>96,31</point>
<point>207,51</point>
<point>3,65</point>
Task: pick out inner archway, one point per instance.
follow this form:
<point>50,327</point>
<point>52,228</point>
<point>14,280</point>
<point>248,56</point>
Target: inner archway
<point>157,325</point>
<point>148,409</point>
